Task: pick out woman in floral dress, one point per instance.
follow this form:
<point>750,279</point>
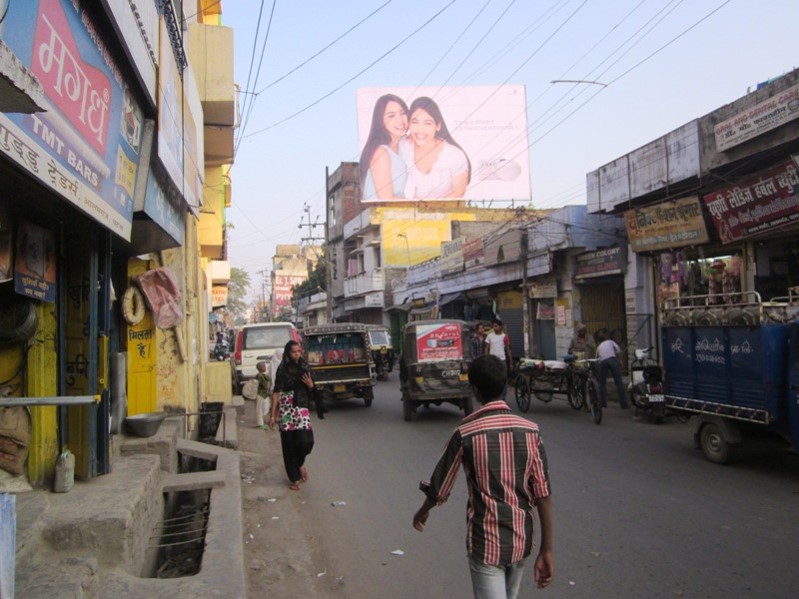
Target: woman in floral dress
<point>291,396</point>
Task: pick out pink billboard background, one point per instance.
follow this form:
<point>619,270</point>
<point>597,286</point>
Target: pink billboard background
<point>489,123</point>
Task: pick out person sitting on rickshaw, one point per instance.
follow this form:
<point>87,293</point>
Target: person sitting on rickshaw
<point>582,342</point>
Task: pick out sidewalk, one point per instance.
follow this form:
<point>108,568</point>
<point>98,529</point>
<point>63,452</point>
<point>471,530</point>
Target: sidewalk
<point>101,539</point>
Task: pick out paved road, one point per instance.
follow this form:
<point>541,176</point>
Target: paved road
<point>638,511</point>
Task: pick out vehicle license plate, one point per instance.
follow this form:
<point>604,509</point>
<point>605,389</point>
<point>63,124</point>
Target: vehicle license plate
<point>450,374</point>
<point>339,388</point>
<point>656,398</point>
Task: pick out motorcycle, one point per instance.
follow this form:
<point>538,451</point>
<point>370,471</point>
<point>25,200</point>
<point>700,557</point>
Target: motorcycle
<point>221,353</point>
<point>646,385</point>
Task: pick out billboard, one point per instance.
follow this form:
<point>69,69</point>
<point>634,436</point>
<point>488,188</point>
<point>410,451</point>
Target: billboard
<point>443,143</point>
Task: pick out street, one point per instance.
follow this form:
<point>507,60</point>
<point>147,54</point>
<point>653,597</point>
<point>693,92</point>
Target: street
<point>638,511</point>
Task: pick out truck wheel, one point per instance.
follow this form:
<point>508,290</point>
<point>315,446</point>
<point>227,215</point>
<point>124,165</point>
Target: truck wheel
<point>407,409</point>
<point>368,396</point>
<point>468,406</point>
<point>714,445</point>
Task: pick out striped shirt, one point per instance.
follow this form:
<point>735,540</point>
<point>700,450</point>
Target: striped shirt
<point>506,471</point>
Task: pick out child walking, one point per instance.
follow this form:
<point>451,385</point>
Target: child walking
<point>264,391</point>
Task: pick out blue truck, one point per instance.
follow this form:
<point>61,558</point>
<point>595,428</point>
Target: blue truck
<point>735,366</point>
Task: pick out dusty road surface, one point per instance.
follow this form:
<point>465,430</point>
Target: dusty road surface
<point>282,556</point>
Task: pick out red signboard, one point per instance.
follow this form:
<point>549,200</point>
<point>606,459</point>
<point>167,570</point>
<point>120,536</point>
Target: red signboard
<point>756,205</point>
<point>438,342</point>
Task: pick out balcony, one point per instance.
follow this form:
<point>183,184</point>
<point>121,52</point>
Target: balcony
<point>364,283</point>
<point>211,57</point>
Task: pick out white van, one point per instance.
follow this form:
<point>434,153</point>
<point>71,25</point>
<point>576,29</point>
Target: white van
<point>256,342</point>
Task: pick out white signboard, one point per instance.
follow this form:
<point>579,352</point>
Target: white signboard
<point>768,115</point>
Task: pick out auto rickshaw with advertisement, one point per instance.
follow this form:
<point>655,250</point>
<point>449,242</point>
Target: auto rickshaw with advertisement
<point>382,350</point>
<point>434,365</point>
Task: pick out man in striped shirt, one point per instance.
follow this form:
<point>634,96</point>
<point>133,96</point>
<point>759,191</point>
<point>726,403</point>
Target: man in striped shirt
<point>505,464</point>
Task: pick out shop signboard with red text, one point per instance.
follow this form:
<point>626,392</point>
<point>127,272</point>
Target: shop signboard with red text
<point>86,145</point>
<point>759,204</point>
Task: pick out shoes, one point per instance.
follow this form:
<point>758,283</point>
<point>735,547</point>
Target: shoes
<point>295,486</point>
<point>304,474</point>
<point>262,426</point>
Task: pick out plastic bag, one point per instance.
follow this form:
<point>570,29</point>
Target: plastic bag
<point>250,389</point>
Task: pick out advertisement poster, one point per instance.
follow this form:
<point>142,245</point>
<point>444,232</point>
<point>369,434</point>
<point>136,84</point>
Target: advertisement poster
<point>438,342</point>
<point>85,146</point>
<point>443,143</point>
<point>35,268</point>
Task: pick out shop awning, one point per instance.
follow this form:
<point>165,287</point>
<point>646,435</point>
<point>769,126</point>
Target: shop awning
<point>448,298</point>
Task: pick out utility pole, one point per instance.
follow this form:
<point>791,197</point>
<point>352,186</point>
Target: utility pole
<point>525,295</point>
<point>264,311</point>
<point>328,256</point>
<point>311,225</point>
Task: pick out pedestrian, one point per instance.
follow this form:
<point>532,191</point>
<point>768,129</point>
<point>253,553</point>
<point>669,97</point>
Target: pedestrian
<point>507,476</point>
<point>607,352</point>
<point>291,397</point>
<point>478,339</point>
<point>582,342</point>
<point>264,390</point>
<point>497,343</point>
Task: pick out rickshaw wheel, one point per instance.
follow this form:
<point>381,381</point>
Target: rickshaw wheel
<point>522,393</point>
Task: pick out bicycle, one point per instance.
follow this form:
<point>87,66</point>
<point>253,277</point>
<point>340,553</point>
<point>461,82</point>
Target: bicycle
<point>584,392</point>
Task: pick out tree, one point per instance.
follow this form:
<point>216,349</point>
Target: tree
<point>237,289</point>
<point>316,282</point>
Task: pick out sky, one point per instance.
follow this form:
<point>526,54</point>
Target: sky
<point>654,66</point>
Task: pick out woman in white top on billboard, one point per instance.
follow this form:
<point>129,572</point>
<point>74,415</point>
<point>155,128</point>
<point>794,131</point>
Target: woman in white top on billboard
<point>437,166</point>
<point>383,170</point>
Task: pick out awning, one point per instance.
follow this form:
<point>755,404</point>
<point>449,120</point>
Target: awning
<point>448,298</point>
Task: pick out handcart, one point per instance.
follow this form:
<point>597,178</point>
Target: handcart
<point>571,377</point>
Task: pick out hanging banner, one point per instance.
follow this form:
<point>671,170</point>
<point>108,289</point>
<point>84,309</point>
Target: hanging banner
<point>756,205</point>
<point>35,267</point>
<point>86,145</point>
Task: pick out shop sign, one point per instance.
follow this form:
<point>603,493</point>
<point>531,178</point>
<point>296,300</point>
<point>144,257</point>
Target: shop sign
<point>373,300</point>
<point>86,145</point>
<point>451,256</point>
<point>473,253</point>
<point>545,287</point>
<point>760,118</point>
<point>677,223</point>
<point>438,342</point>
<point>610,261</point>
<point>756,205</point>
<point>35,265</point>
<point>162,205</point>
<point>219,294</point>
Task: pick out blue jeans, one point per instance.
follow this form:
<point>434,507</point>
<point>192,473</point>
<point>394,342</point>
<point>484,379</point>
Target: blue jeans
<point>496,582</point>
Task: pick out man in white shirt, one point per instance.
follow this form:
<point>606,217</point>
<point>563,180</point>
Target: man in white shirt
<point>607,353</point>
<point>497,343</point>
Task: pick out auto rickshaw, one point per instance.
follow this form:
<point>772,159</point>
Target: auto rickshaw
<point>434,365</point>
<point>382,350</point>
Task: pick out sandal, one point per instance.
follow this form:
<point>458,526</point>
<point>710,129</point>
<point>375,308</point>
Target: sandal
<point>294,486</point>
<point>304,474</point>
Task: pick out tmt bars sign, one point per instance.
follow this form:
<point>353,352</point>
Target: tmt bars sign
<point>86,145</point>
<point>756,205</point>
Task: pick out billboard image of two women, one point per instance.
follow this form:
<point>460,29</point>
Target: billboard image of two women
<point>443,143</point>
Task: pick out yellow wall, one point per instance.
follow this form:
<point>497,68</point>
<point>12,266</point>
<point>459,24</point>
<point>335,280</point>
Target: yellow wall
<point>141,348</point>
<point>42,368</point>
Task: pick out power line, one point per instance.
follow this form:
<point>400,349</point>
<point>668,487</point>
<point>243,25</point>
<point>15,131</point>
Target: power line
<point>351,79</point>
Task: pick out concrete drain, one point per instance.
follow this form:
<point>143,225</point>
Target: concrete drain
<point>183,536</point>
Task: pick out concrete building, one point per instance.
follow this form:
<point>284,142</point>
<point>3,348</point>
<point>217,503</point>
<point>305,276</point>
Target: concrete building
<point>711,209</point>
<point>115,192</point>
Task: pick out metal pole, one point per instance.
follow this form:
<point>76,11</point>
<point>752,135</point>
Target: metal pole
<point>328,252</point>
<point>525,297</point>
